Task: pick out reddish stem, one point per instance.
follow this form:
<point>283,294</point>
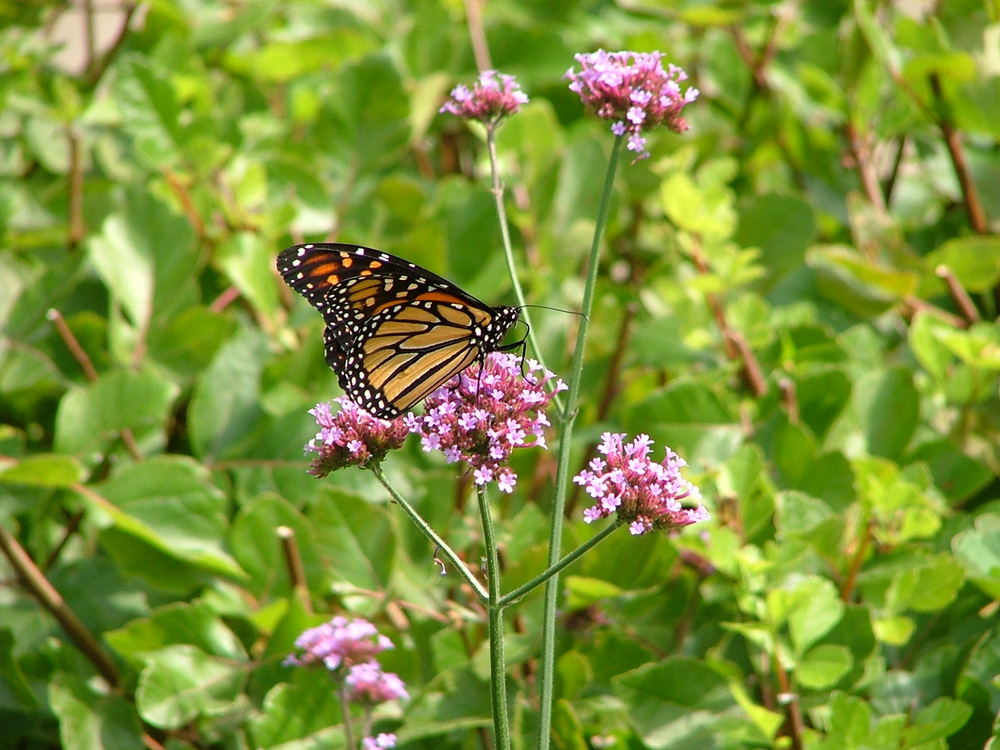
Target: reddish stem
<point>52,601</point>
<point>958,295</point>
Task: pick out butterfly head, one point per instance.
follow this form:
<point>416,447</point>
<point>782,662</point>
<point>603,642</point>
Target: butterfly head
<point>504,317</point>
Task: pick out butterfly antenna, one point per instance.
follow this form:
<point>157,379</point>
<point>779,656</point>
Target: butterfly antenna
<point>556,309</point>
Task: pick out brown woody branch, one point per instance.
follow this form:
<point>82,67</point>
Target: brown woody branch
<point>953,140</point>
<point>52,601</point>
<point>293,564</point>
<point>958,295</point>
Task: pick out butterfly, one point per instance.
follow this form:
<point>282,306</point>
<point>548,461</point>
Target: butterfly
<point>395,332</point>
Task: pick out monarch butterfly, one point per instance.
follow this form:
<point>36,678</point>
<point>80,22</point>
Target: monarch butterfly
<point>394,331</point>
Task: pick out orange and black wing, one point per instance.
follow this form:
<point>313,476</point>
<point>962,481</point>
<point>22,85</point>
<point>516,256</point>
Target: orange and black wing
<point>394,331</point>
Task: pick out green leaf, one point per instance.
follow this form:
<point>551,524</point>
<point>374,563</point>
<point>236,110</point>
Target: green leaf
<point>955,474</point>
<point>914,581</point>
<point>823,666</point>
<point>145,255</point>
<point>356,537</point>
<point>895,631</point>
<point>91,414</point>
<point>849,722</point>
<point>150,111</point>
<point>583,592</point>
<point>691,419</point>
<point>680,704</point>
<point>702,210</point>
<point>367,118</point>
<point>811,606</point>
<point>43,470</point>
<point>887,404</point>
<point>170,503</point>
<point>943,717</point>
<point>978,346</point>
<point>926,337</point>
<point>640,563</point>
<point>101,594</point>
<point>822,396</point>
<point>124,263</point>
<point>878,41</point>
<point>574,673</point>
<point>742,477</point>
<point>225,406</point>
<point>175,624</point>
<point>782,227</point>
<point>975,261</point>
<point>189,340</point>
<point>14,686</point>
<point>301,708</point>
<point>978,550</point>
<point>91,720</point>
<point>248,261</point>
<point>283,60</point>
<point>767,721</point>
<point>862,287</point>
<point>793,452</point>
<point>182,683</point>
<point>567,729</point>
<point>256,546</point>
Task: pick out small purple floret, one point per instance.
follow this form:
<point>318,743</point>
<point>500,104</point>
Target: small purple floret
<point>351,437</point>
<point>367,683</point>
<point>382,741</point>
<point>481,416</point>
<point>339,642</point>
<point>634,91</point>
<point>644,494</point>
<point>491,98</point>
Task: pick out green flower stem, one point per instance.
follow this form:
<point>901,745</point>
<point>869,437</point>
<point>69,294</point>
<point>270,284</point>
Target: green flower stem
<point>569,559</point>
<point>498,670</point>
<point>508,250</point>
<point>428,532</point>
<point>345,712</point>
<point>547,666</point>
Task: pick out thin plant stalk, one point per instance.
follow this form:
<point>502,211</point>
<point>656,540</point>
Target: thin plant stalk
<point>427,531</point>
<point>498,669</point>
<point>547,666</point>
<point>508,250</point>
<point>345,709</point>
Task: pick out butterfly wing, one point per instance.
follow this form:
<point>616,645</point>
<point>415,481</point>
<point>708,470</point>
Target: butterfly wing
<point>394,331</point>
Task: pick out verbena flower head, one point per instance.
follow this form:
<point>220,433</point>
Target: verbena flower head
<point>481,415</point>
<point>351,437</point>
<point>340,642</point>
<point>646,495</point>
<point>633,91</point>
<point>367,683</point>
<point>383,740</point>
<point>491,98</point>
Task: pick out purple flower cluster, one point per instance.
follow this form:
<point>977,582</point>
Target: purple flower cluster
<point>351,437</point>
<point>646,495</point>
<point>339,642</point>
<point>634,91</point>
<point>367,683</point>
<point>380,742</point>
<point>481,415</point>
<point>491,98</point>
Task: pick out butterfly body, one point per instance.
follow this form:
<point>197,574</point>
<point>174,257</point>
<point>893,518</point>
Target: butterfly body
<point>394,331</point>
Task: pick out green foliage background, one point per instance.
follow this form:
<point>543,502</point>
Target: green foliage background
<point>844,594</point>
